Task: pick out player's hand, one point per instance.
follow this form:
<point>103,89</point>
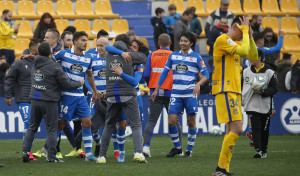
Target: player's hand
<point>126,56</point>
<point>250,31</point>
<point>244,24</point>
<point>117,70</point>
<point>27,56</point>
<point>258,92</point>
<point>8,101</point>
<point>16,27</point>
<point>273,114</point>
<point>104,95</point>
<point>196,91</point>
<point>295,92</point>
<point>171,27</point>
<point>82,81</point>
<point>281,32</point>
<point>153,96</point>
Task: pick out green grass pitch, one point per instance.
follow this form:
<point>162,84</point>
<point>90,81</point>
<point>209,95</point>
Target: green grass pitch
<point>283,159</point>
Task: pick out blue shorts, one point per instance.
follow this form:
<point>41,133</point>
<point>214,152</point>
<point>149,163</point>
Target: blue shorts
<point>91,105</point>
<point>177,105</point>
<point>24,109</point>
<point>72,107</point>
<point>140,101</point>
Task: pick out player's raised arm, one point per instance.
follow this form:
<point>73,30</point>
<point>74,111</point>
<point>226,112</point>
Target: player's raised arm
<point>253,55</point>
<point>243,50</point>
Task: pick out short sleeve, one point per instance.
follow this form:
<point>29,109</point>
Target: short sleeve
<point>225,43</point>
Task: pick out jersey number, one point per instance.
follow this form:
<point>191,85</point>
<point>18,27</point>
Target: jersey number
<point>25,109</point>
<point>173,101</point>
<point>233,103</point>
<point>64,109</point>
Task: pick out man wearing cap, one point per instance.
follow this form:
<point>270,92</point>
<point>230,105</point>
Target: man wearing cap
<point>214,18</point>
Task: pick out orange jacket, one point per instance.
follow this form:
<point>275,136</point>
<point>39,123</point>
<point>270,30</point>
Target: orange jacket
<point>158,61</point>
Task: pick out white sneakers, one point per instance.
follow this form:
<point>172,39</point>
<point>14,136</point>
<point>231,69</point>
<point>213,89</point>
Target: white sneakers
<point>146,151</point>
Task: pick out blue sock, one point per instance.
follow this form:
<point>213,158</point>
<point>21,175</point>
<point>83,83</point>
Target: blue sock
<point>58,134</point>
<point>96,138</point>
<point>115,140</point>
<point>173,132</point>
<point>191,139</point>
<point>87,140</point>
<point>121,140</point>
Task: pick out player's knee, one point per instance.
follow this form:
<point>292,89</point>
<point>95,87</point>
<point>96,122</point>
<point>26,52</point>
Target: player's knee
<point>172,122</point>
<point>86,123</point>
<point>61,125</point>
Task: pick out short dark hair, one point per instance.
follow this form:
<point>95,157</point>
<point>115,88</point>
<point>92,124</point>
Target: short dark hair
<point>45,49</point>
<point>257,36</point>
<point>124,38</point>
<point>78,34</point>
<point>286,56</point>
<point>5,11</point>
<point>261,54</point>
<point>172,7</point>
<point>236,19</point>
<point>159,10</point>
<point>71,29</point>
<point>4,67</point>
<point>101,32</point>
<point>192,9</point>
<point>190,36</point>
<point>34,42</point>
<point>256,16</point>
<point>65,33</point>
<point>187,12</point>
<point>55,32</point>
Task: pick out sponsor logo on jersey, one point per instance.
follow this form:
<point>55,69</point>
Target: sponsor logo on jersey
<point>76,68</point>
<point>115,78</point>
<point>290,115</point>
<point>101,73</point>
<point>115,63</point>
<point>181,68</point>
<point>38,75</point>
<point>231,42</point>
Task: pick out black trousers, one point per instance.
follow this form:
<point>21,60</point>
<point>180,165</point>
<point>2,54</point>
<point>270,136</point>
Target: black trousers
<point>260,131</point>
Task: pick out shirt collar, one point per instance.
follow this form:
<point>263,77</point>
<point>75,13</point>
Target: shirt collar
<point>165,48</point>
<point>189,52</point>
<point>262,66</point>
<point>72,51</point>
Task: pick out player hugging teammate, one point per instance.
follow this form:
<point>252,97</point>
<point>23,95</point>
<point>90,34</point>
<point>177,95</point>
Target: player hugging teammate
<point>258,103</point>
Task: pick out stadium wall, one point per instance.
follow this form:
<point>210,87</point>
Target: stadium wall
<point>286,120</point>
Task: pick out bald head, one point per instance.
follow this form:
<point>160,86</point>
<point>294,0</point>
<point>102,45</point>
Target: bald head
<point>101,44</point>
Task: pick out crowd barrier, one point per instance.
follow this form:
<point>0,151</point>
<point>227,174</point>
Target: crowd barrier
<point>285,121</point>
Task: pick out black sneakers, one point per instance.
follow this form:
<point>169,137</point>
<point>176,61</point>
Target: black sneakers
<point>220,172</point>
<point>258,154</point>
<point>97,151</point>
<point>25,157</point>
<point>174,152</point>
<point>188,154</point>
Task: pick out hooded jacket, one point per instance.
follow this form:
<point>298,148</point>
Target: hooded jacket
<point>19,76</point>
<point>115,84</point>
<point>283,67</point>
<point>47,78</point>
<point>180,26</point>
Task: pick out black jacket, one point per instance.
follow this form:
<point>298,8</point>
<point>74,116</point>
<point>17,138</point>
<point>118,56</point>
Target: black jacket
<point>212,37</point>
<point>19,76</point>
<point>159,26</point>
<point>295,79</point>
<point>47,78</point>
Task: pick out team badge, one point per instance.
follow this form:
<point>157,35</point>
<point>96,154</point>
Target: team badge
<point>181,68</point>
<point>38,75</point>
<point>76,68</point>
<point>101,73</point>
<point>202,64</point>
<point>115,63</point>
<point>231,42</point>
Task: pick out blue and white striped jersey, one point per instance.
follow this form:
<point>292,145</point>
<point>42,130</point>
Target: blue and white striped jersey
<point>75,67</point>
<point>98,68</point>
<point>93,51</point>
<point>186,69</point>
